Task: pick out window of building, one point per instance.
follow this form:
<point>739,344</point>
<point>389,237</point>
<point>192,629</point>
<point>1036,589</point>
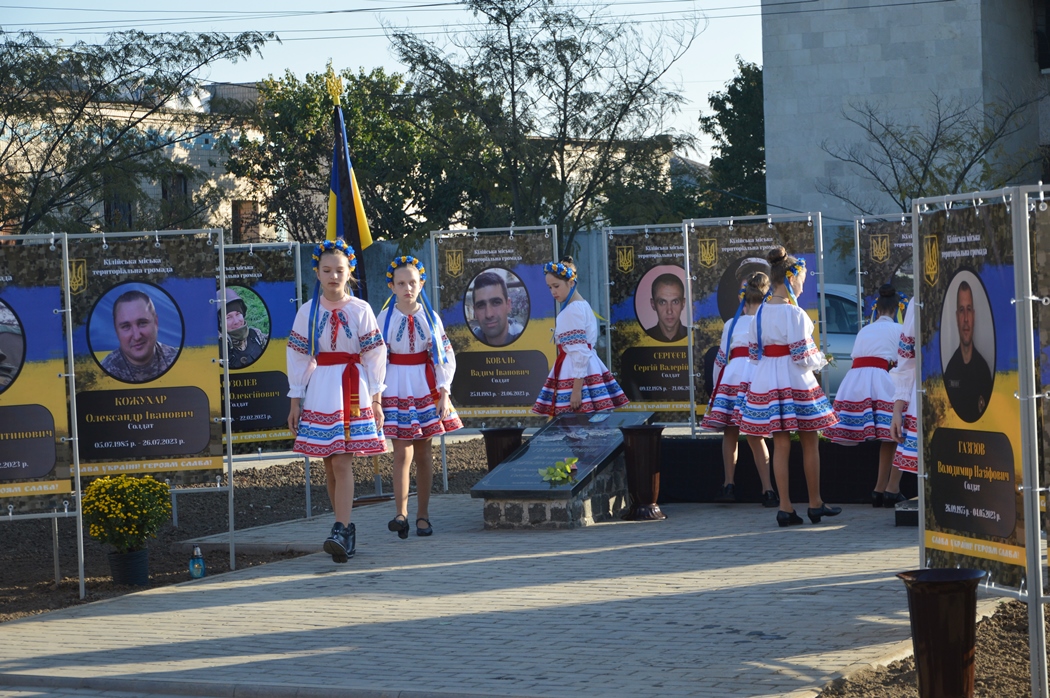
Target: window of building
<point>246,221</point>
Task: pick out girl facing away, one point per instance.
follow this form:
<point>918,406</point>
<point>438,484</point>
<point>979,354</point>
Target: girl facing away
<point>579,381</point>
<point>336,369</point>
<point>784,396</point>
<point>734,368</point>
<point>864,402</point>
<point>416,406</point>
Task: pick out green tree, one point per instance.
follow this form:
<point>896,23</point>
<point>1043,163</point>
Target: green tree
<point>542,106</point>
<point>738,169</point>
<point>958,147</point>
<point>288,158</point>
<point>86,128</point>
<point>670,193</point>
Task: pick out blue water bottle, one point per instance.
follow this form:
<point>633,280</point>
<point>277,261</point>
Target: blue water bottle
<point>197,568</point>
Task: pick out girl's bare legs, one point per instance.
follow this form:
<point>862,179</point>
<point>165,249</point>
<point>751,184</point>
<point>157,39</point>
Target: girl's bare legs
<point>889,477</point>
<point>424,477</point>
<point>403,452</point>
<point>329,480</point>
<point>339,469</point>
<point>781,452</point>
<point>730,438</point>
<point>811,465</point>
<point>761,454</point>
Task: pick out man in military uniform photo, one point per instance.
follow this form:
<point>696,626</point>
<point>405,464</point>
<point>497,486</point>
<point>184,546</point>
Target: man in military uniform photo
<point>244,344</point>
<point>140,357</point>
<point>967,378</point>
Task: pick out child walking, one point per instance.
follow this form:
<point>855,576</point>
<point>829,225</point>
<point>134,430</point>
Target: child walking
<point>864,403</point>
<point>336,369</point>
<point>783,395</point>
<point>416,405</point>
<point>579,381</point>
<point>733,368</point>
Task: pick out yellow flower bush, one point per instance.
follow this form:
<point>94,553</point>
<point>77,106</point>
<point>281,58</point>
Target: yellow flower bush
<point>125,511</point>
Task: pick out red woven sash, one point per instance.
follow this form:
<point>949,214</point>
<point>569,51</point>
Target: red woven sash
<point>776,350</point>
<point>419,358</point>
<point>351,378</point>
<point>871,362</point>
<point>737,352</point>
<point>559,361</point>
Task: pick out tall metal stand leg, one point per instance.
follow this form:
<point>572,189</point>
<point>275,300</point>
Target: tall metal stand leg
<point>54,547</point>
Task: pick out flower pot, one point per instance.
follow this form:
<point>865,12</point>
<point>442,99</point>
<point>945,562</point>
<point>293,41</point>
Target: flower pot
<point>500,442</point>
<point>131,568</point>
<point>641,445</point>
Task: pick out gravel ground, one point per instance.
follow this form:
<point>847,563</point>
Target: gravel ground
<point>276,493</point>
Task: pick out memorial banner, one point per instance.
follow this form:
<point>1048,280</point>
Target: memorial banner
<point>144,330</point>
<point>971,431</point>
<point>34,460</point>
<point>261,302</point>
<point>499,316</point>
<point>723,255</point>
<point>649,318</point>
<point>884,256</point>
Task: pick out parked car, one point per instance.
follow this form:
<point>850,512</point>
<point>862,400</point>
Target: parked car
<point>840,310</point>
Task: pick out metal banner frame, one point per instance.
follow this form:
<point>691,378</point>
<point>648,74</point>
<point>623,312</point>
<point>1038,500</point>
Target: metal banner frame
<point>608,233</point>
<point>1018,203</point>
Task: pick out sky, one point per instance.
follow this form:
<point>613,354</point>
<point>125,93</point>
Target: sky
<point>351,34</point>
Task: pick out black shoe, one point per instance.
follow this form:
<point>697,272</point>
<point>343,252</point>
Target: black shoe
<point>399,524</point>
<point>785,519</point>
<point>822,510</point>
<point>428,531</point>
<point>335,544</point>
<point>728,494</point>
<point>891,499</point>
<point>350,540</point>
<point>877,499</point>
<point>770,499</point>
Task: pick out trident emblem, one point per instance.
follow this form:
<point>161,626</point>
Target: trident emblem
<point>931,265</point>
<point>625,258</point>
<point>708,252</point>
<point>77,275</point>
<point>454,262</point>
<point>880,248</point>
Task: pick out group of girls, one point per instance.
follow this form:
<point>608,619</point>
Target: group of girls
<point>766,388</point>
<point>356,380</point>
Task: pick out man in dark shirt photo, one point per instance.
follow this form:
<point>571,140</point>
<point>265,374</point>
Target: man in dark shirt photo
<point>967,378</point>
<point>668,300</point>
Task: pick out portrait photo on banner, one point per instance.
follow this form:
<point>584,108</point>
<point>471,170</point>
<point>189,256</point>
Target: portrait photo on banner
<point>659,302</point>
<point>247,326</point>
<point>496,307</point>
<point>135,332</point>
<point>967,345</point>
<point>12,346</point>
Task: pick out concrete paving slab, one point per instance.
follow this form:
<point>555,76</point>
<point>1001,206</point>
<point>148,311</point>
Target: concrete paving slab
<point>714,601</point>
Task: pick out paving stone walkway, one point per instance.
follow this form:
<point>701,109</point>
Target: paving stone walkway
<point>715,601</point>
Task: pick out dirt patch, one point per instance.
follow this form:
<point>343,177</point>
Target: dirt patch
<point>262,496</point>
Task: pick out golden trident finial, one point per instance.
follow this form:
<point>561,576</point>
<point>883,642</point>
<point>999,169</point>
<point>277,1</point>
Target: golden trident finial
<point>335,85</point>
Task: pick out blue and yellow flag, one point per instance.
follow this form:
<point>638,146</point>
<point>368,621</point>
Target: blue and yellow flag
<point>346,212</point>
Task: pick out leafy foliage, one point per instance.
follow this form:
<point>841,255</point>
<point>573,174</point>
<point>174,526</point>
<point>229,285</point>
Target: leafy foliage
<point>541,108</point>
<point>738,170</point>
<point>562,472</point>
<point>86,128</point>
<point>126,511</point>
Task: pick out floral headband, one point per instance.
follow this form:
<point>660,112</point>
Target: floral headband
<point>332,245</point>
<point>795,269</point>
<point>405,260</point>
<point>560,270</point>
<point>902,307</point>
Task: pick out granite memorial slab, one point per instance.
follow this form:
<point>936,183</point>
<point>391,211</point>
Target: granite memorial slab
<point>594,439</point>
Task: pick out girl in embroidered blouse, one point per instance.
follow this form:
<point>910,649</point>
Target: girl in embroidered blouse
<point>864,403</point>
<point>416,405</point>
<point>579,381</point>
<point>903,428</point>
<point>336,369</point>
<point>783,395</point>
<point>734,370</point>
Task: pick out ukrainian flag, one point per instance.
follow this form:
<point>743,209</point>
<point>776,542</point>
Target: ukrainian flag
<point>346,212</point>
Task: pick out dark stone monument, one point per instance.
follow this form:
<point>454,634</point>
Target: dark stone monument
<point>517,497</point>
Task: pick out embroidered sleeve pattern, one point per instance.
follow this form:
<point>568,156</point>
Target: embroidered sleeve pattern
<point>299,343</point>
<point>371,341</point>
<point>720,358</point>
<point>906,347</point>
<point>573,338</point>
<point>752,351</point>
